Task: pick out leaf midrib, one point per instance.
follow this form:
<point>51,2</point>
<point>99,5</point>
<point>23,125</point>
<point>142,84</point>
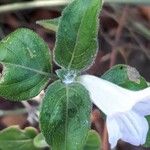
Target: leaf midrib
<point>24,140</point>
<point>77,37</point>
<point>66,120</point>
<point>27,68</point>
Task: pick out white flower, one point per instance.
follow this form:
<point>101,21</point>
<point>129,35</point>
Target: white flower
<point>125,109</point>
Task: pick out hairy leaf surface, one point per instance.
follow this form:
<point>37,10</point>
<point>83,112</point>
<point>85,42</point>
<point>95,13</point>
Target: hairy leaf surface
<point>65,116</point>
<point>26,65</point>
<point>76,43</point>
<point>125,76</point>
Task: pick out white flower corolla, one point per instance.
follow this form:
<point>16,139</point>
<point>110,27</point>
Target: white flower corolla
<point>125,109</point>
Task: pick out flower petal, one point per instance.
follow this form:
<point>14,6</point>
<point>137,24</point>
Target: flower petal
<point>114,133</point>
<point>108,97</point>
<point>142,105</point>
<point>142,108</point>
<point>133,127</point>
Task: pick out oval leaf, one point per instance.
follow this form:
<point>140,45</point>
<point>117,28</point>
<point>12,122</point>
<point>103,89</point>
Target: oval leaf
<point>93,141</point>
<point>65,116</point>
<point>76,43</point>
<point>125,76</point>
<point>26,65</point>
<point>13,138</point>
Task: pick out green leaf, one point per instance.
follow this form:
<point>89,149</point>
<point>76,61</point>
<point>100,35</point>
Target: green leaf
<point>76,43</point>
<point>65,116</point>
<point>50,24</point>
<point>39,141</point>
<point>125,76</point>
<point>13,138</point>
<point>147,143</point>
<point>26,65</point>
<point>93,141</point>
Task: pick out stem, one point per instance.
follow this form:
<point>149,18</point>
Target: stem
<point>56,3</point>
<point>12,112</point>
<point>122,22</point>
<point>105,142</point>
<point>32,117</point>
<point>31,5</point>
<point>101,127</point>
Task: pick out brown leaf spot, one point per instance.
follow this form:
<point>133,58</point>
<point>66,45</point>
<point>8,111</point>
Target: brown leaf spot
<point>133,75</point>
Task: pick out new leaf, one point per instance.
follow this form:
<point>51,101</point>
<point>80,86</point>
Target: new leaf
<point>50,24</point>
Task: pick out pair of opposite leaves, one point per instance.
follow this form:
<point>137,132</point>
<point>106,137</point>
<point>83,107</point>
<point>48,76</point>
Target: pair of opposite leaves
<point>38,63</point>
<point>26,67</point>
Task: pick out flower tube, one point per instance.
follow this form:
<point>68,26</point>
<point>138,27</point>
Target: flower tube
<point>125,109</point>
